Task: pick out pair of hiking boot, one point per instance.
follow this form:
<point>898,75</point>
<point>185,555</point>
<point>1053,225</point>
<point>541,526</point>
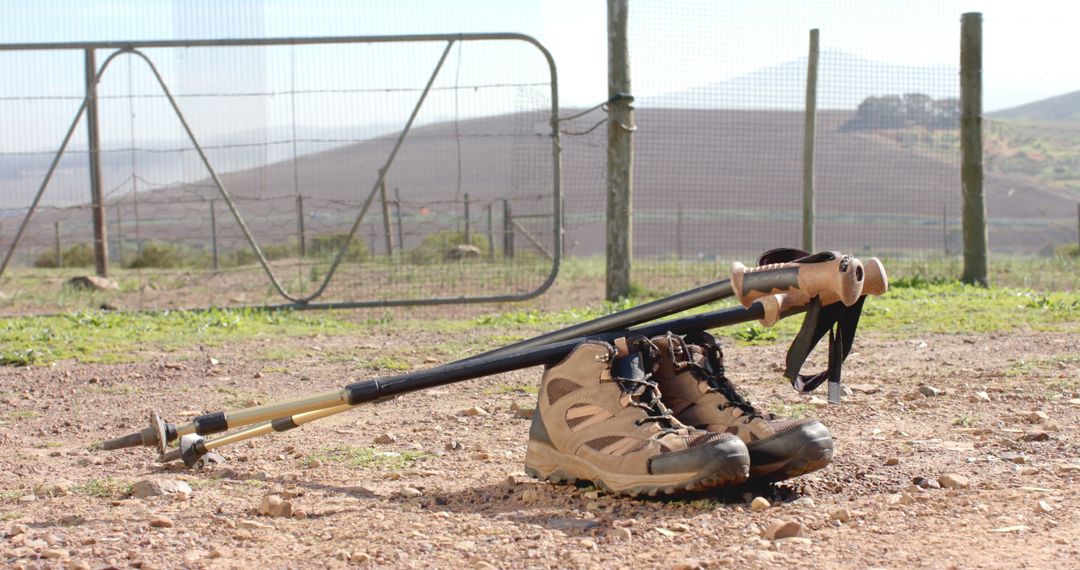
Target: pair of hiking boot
<point>658,416</point>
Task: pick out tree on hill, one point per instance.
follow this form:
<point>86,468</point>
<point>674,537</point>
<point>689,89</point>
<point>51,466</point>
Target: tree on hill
<point>902,111</point>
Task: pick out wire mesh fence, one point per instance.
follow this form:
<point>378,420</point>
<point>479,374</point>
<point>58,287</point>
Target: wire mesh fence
<point>298,136</point>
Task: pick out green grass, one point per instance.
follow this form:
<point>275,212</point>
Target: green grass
<point>964,421</point>
<point>24,414</point>
<point>11,515</point>
<point>501,389</point>
<point>107,488</point>
<point>365,457</point>
<point>793,411</point>
<point>109,337</point>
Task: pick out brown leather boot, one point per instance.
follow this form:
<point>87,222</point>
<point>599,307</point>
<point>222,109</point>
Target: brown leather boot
<point>691,379</point>
<point>600,418</point>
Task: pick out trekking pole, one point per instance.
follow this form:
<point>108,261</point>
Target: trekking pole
<point>193,447</point>
<point>828,274</point>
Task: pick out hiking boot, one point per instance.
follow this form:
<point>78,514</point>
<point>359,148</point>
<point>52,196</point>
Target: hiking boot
<point>599,418</point>
<point>691,378</point>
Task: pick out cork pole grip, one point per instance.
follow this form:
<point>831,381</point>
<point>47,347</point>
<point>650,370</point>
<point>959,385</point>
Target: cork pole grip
<point>875,282</point>
<point>834,278</point>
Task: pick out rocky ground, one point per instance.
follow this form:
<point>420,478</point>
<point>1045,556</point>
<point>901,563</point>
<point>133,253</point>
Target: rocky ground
<point>951,452</point>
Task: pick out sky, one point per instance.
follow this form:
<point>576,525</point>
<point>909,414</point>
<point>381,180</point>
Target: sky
<point>1028,54</point>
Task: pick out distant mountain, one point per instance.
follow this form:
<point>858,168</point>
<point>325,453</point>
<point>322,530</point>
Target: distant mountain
<point>1061,108</point>
<point>844,81</point>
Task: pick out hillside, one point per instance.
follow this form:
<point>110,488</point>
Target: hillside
<point>1060,108</point>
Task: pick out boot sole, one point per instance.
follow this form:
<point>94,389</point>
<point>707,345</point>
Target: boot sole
<point>811,448</point>
<point>545,463</point>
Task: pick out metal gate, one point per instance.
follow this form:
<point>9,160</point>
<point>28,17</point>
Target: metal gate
<point>438,244</point>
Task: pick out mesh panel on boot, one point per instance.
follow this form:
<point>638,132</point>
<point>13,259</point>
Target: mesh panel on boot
<point>579,414</point>
<point>558,388</point>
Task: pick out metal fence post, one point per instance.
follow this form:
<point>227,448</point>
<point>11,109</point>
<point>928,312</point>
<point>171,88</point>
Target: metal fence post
<point>490,231</point>
<point>388,230</point>
<point>468,222</point>
<point>213,233</point>
<point>119,235</point>
<point>679,219</point>
<point>620,166</point>
<point>809,128</point>
<point>101,252</point>
<point>59,250</point>
<point>300,230</point>
<point>971,170</point>
<point>508,231</point>
<point>400,226</point>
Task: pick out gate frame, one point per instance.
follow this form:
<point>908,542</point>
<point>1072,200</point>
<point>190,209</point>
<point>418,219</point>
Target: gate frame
<point>132,48</point>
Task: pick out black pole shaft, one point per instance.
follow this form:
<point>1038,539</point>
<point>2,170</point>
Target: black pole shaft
<point>496,362</point>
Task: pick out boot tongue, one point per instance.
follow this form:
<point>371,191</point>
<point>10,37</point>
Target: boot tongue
<point>629,373</point>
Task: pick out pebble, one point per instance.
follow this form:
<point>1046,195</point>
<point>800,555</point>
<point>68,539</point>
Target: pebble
<point>1012,457</point>
<point>782,529</point>
<point>342,555</point>
<point>1068,469</point>
<point>78,565</point>
<point>979,398</point>
<point>759,504</point>
<point>158,487</point>
<point>1044,507</point>
<point>619,533</point>
<point>386,438</point>
<point>216,553</point>
<point>1036,436</point>
<point>409,492</point>
<point>587,543</point>
<point>474,411</point>
<point>360,557</point>
<point>805,502</point>
<point>274,506</point>
<point>892,461</point>
<point>818,402</point>
<point>525,413</point>
<point>1074,401</point>
<point>159,521</point>
<point>842,515</point>
<point>54,553</point>
<point>1037,417</point>
<point>57,488</point>
<point>454,445</point>
<point>929,391</point>
<point>248,524</point>
<point>530,496</point>
<point>953,481</point>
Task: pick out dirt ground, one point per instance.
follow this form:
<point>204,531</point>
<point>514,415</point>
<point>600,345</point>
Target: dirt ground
<point>448,489</point>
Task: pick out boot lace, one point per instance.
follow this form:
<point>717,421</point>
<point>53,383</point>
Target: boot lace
<point>644,392</point>
<point>712,373</point>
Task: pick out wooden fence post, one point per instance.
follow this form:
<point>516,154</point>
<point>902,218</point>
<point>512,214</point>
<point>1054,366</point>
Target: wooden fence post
<point>971,169</point>
<point>809,128</point>
<point>620,166</point>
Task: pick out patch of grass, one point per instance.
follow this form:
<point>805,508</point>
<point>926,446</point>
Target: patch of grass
<point>11,515</point>
<point>110,337</point>
<point>964,421</point>
<point>12,496</point>
<point>562,317</point>
<point>755,333</point>
<point>366,457</point>
<point>48,445</point>
<point>107,488</point>
<point>24,414</point>
<point>387,362</point>
<point>793,411</point>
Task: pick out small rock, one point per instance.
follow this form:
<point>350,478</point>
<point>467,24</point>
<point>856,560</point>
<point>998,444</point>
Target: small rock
<point>1044,507</point>
<point>842,515</point>
<point>1037,417</point>
<point>216,553</point>
<point>57,488</point>
<point>799,541</point>
<point>386,438</point>
<point>953,481</point>
<point>1068,469</point>
<point>454,445</point>
<point>759,504</point>
<point>78,565</point>
<point>274,506</point>
<point>342,555</point>
<point>1013,457</point>
<point>248,524</point>
<point>782,529</point>
<point>54,553</point>
<point>619,533</point>
<point>864,388</point>
<point>525,413</point>
<point>1036,436</point>
<point>409,492</point>
<point>17,529</point>
<point>431,360</point>
<point>93,282</point>
<point>530,496</point>
<point>929,391</point>
<point>28,498</point>
<point>158,487</point>
<point>587,543</point>
<point>1074,401</point>
<point>818,402</point>
<point>805,502</point>
<point>159,521</point>
<point>892,461</point>
<point>979,398</point>
<point>474,411</point>
<point>360,557</point>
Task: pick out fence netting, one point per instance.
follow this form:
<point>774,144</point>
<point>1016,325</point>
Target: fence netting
<point>298,135</point>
